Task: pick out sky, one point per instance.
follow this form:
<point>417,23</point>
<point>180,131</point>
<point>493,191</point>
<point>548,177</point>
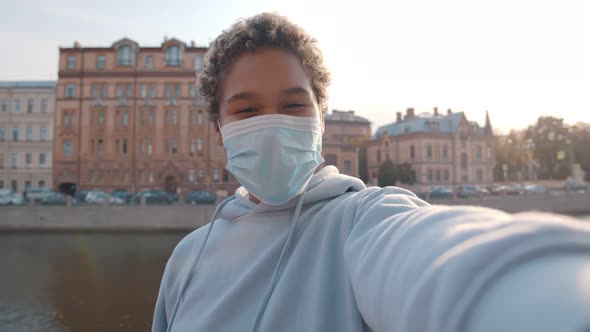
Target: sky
<point>516,59</point>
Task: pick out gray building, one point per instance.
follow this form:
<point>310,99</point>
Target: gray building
<point>26,134</point>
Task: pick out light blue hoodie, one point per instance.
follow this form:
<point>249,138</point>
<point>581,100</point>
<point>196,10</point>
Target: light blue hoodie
<point>361,259</point>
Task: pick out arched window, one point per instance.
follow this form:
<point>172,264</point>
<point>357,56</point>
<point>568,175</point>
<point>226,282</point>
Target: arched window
<point>173,57</point>
<point>125,56</point>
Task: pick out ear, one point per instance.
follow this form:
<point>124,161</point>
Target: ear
<point>218,137</point>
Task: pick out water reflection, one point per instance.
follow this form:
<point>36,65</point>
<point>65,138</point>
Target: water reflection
<point>81,281</point>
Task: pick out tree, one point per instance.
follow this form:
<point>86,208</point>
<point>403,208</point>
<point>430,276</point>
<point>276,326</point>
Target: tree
<point>580,136</point>
<point>516,152</point>
<point>390,174</point>
<point>362,160</point>
<point>550,136</point>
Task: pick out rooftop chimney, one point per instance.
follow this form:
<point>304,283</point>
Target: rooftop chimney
<point>398,117</point>
<point>436,111</point>
<point>76,44</point>
<point>409,113</point>
<point>449,112</point>
<point>192,43</point>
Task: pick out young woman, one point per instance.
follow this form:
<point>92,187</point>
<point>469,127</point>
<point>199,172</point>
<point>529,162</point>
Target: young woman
<point>296,250</point>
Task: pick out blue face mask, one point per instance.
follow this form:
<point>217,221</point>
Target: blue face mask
<point>273,156</point>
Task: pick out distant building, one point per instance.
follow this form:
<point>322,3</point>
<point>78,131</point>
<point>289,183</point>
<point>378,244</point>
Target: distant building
<point>344,133</point>
<point>26,134</point>
<point>129,117</point>
<point>442,149</point>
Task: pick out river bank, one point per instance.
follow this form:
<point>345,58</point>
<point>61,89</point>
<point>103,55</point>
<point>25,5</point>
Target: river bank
<point>186,217</point>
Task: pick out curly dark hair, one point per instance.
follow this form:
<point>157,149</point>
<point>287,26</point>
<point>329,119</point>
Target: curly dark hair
<point>266,30</point>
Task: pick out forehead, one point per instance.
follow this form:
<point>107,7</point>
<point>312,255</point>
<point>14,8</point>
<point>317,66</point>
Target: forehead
<point>264,72</point>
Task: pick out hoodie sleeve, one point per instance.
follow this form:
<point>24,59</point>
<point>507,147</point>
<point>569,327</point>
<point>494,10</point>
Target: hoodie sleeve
<point>416,267</point>
<point>160,320</point>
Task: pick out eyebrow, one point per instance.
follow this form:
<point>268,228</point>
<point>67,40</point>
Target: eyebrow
<point>284,93</point>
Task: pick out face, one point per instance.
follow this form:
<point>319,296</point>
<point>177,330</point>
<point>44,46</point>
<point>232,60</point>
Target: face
<point>266,81</point>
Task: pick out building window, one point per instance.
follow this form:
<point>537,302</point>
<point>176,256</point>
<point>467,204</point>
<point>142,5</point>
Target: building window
<point>71,62</point>
<point>28,159</point>
<point>148,62</point>
<point>70,91</point>
<point>152,90</point>
<point>14,160</point>
<point>16,105</point>
<point>143,90</point>
<point>100,62</point>
<point>175,118</point>
<point>198,62</point>
<point>200,118</point>
<point>193,90</point>
<point>347,166</point>
<point>192,147</point>
<point>100,119</point>
<point>428,151</point>
<point>125,56</point>
<point>95,90</point>
<point>200,147</point>
<point>72,119</point>
<point>128,90</point>
<point>192,118</point>
<point>429,176</point>
<point>65,119</point>
<point>103,92</point>
<point>167,90</point>
<point>43,133</point>
<point>445,152</point>
<point>15,134</point>
<point>173,56</point>
<point>27,185</point>
<point>2,134</point>
<point>412,152</point>
<point>489,152</point>
<point>117,119</point>
<point>166,146</point>
<point>463,160</point>
<point>99,147</point>
<point>14,186</point>
<point>437,175</point>
<point>150,118</point>
<point>44,105</point>
<point>117,147</point>
<point>125,118</point>
<point>479,175</point>
<point>30,105</point>
<point>42,159</point>
<point>478,153</point>
<point>446,175</point>
<point>41,184</point>
<point>149,148</point>
<point>29,134</point>
<point>176,90</point>
<point>119,90</point>
<point>124,147</point>
<point>378,156</point>
<point>67,148</point>
<point>174,147</point>
<point>4,105</point>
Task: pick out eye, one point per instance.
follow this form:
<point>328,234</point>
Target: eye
<point>246,110</point>
<point>295,105</point>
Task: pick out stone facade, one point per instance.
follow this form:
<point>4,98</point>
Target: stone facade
<point>344,133</point>
<point>443,150</point>
<point>26,134</point>
<point>129,117</point>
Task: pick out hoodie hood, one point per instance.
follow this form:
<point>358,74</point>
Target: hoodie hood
<point>325,184</point>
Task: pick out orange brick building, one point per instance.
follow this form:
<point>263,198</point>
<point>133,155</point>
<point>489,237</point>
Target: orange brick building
<point>129,117</point>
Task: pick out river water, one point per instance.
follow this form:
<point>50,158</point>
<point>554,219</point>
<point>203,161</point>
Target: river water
<point>82,281</point>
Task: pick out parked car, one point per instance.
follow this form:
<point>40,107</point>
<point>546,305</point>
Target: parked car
<point>36,194</point>
<point>438,193</point>
<point>9,198</point>
<point>575,186</point>
<point>98,198</point>
<point>200,197</point>
<point>54,198</point>
<point>504,190</point>
<point>122,194</point>
<point>156,196</point>
<point>472,191</point>
<point>535,189</point>
<point>80,196</point>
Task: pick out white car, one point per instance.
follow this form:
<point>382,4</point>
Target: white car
<point>98,197</point>
<point>8,198</point>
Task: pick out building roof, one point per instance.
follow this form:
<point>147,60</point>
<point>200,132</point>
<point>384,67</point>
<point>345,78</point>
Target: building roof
<point>422,123</point>
<point>27,84</point>
<point>346,116</point>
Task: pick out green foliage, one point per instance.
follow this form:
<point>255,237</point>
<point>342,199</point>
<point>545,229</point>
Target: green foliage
<point>581,146</point>
<point>550,136</point>
<point>516,153</point>
<point>390,174</point>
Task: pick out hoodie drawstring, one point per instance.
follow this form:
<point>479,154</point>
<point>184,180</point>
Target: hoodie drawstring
<point>196,261</point>
<point>274,280</point>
